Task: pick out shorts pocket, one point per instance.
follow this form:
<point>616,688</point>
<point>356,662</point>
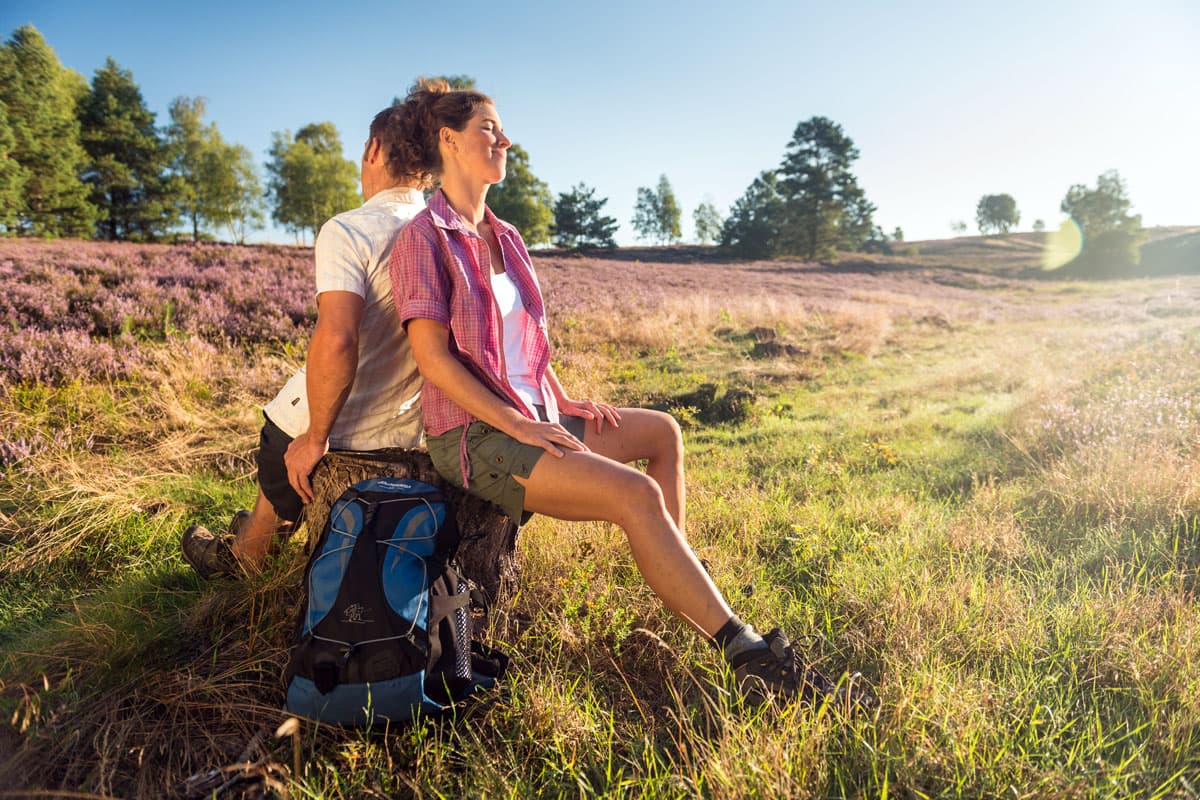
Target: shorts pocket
<point>444,452</point>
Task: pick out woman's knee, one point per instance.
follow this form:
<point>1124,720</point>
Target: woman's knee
<point>640,496</point>
<point>667,433</point>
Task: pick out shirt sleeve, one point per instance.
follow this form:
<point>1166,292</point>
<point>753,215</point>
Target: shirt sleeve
<point>420,286</point>
<point>341,267</point>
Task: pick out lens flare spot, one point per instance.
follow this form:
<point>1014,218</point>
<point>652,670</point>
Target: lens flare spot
<point>1062,245</point>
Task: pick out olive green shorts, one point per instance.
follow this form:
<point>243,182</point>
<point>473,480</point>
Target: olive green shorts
<point>495,457</point>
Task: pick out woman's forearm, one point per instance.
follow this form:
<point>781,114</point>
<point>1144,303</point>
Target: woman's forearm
<point>560,394</point>
<point>431,349</point>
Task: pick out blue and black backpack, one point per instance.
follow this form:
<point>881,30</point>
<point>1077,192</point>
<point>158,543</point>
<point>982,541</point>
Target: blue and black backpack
<point>386,628</point>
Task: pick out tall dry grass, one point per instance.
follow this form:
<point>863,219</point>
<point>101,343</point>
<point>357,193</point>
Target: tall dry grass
<point>979,511</point>
<point>192,410</point>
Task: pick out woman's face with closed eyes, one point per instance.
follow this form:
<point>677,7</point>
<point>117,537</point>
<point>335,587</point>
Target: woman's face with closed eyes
<point>481,148</point>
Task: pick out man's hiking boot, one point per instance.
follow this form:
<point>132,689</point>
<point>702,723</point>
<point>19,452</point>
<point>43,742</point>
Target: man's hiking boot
<point>210,554</point>
<point>778,672</point>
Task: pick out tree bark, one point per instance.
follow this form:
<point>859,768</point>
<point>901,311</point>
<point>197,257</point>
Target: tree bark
<point>487,553</point>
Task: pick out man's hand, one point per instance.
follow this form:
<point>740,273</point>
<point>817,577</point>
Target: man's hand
<point>301,457</point>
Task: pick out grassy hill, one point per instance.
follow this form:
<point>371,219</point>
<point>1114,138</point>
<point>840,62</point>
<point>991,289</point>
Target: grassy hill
<point>1166,251</point>
<point>980,488</point>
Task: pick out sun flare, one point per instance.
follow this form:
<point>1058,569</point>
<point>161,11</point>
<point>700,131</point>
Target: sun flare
<point>1062,245</point>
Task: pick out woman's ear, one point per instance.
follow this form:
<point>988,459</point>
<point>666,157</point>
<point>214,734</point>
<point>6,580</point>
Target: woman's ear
<point>446,137</point>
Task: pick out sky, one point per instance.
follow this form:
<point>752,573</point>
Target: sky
<point>946,101</point>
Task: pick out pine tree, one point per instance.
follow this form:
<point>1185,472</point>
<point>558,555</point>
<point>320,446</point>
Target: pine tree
<point>309,180</point>
<point>523,200</point>
<point>127,159</point>
<point>578,221</point>
<point>12,176</point>
<point>752,229</point>
<point>857,227</point>
<point>824,207</point>
<point>39,97</point>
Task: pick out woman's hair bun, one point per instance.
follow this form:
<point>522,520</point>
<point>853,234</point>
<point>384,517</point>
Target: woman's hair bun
<point>431,86</point>
<point>409,129</point>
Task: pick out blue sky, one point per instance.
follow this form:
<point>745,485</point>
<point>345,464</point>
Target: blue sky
<point>945,101</point>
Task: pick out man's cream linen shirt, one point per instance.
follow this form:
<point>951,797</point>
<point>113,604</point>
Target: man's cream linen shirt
<point>383,409</point>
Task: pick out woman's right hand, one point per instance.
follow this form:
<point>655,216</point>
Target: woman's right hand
<point>550,436</point>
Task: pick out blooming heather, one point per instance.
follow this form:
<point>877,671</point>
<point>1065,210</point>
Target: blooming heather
<point>73,310</point>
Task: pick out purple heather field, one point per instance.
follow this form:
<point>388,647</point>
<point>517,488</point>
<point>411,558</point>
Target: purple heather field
<point>76,310</point>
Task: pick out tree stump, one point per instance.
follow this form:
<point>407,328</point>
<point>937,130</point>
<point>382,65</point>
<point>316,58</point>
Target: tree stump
<point>487,554</point>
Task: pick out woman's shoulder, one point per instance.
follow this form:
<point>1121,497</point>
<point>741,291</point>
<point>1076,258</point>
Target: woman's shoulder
<point>421,226</point>
<point>424,217</point>
<point>416,247</point>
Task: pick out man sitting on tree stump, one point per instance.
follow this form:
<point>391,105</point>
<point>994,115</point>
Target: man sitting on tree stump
<point>360,389</point>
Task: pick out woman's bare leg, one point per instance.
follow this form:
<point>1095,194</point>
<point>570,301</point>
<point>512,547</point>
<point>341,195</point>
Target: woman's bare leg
<point>585,486</point>
<point>654,436</point>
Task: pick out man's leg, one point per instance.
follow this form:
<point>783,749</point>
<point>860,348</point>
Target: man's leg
<point>251,533</point>
<point>253,537</point>
<point>277,506</point>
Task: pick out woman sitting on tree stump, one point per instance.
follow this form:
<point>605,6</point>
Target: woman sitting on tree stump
<point>499,423</point>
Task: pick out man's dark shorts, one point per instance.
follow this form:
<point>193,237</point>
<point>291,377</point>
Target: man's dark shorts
<point>272,472</point>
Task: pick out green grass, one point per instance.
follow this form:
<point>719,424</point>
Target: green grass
<point>997,522</point>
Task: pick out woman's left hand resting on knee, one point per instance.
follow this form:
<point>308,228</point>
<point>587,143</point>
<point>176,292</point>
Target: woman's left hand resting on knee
<point>588,409</point>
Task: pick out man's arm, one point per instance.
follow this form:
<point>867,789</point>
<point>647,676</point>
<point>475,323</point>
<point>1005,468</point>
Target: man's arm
<point>331,367</point>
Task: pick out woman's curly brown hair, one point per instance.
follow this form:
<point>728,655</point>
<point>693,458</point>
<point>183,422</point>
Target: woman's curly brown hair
<point>408,130</point>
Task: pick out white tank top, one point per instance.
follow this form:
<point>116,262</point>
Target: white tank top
<point>514,314</point>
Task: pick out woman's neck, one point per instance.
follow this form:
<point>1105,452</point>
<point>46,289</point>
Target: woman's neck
<point>465,196</point>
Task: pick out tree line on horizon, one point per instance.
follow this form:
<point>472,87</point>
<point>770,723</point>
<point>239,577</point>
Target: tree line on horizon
<point>81,159</point>
<point>1111,235</point>
<point>87,160</point>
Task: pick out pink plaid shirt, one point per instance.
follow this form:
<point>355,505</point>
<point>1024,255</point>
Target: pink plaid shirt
<point>441,270</point>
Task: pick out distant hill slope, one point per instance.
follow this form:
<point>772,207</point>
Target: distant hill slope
<point>1177,251</point>
<point>1168,250</point>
